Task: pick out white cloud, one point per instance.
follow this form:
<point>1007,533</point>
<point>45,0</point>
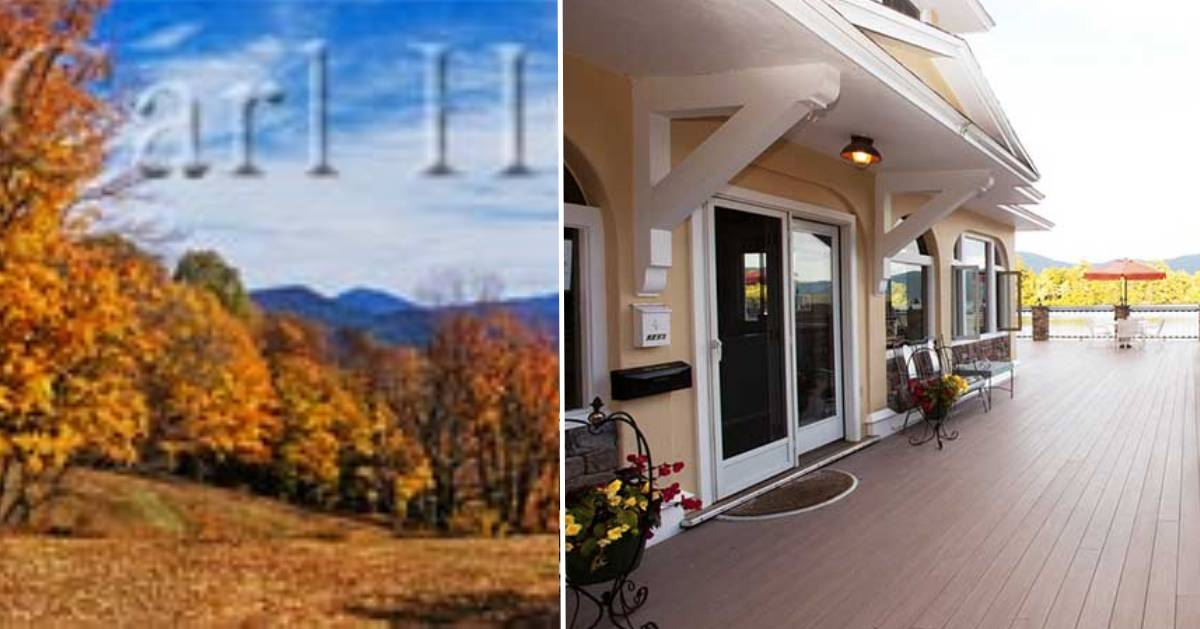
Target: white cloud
<point>380,223</point>
<point>167,38</point>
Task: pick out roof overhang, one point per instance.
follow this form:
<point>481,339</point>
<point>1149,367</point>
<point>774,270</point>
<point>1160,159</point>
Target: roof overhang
<point>914,127</point>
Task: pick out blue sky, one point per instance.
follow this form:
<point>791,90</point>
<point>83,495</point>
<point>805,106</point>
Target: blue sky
<point>380,222</point>
<point>1101,93</point>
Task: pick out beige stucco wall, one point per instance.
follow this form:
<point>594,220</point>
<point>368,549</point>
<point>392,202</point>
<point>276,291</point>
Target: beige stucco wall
<point>598,149</point>
<point>920,63</point>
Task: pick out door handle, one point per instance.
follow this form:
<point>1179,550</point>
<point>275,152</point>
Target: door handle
<point>715,347</point>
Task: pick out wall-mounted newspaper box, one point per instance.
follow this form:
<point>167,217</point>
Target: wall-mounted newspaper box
<point>637,382</point>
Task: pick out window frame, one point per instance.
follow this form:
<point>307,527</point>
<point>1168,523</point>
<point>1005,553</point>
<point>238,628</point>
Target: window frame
<point>925,260</point>
<point>593,345</point>
<point>994,263</point>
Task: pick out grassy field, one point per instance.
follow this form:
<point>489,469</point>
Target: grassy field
<point>119,550</point>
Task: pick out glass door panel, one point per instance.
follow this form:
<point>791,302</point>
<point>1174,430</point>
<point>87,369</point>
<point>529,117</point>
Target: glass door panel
<point>749,277</point>
<point>812,281</point>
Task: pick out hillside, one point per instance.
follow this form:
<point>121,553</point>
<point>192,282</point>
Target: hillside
<point>1187,264</point>
<point>124,550</point>
<point>393,319</point>
<point>1038,262</point>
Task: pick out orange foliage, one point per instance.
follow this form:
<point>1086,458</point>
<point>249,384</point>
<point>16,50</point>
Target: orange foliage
<point>210,388</point>
<point>68,377</point>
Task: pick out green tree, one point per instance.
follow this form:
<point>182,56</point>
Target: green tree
<point>208,270</point>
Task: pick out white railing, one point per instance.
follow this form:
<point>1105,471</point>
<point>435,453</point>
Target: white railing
<point>1078,322</point>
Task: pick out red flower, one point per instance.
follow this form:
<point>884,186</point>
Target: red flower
<point>677,467</point>
<point>691,504</point>
<point>664,470</point>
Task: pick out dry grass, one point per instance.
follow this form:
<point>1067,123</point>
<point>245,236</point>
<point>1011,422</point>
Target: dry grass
<point>136,552</point>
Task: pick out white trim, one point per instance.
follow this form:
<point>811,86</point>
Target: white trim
<point>823,431</point>
<point>874,16</point>
<point>593,291</point>
<point>744,470</point>
<point>705,466</point>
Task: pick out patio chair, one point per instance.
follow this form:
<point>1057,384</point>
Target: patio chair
<point>921,362</point>
<point>1130,331</point>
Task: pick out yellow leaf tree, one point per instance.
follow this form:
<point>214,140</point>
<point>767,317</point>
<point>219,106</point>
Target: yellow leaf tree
<point>68,338</point>
<point>210,388</point>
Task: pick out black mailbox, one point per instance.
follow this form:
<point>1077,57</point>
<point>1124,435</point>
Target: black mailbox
<point>630,384</point>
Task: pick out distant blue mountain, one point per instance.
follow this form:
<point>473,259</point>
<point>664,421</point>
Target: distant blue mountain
<point>374,302</point>
<point>1187,264</point>
<point>392,319</point>
<point>1037,262</point>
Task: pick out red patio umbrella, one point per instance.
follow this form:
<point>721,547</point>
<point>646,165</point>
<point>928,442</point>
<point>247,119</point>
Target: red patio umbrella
<point>1124,270</point>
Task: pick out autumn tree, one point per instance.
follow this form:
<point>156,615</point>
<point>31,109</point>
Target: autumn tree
<point>518,442</point>
<point>68,377</point>
<point>395,383</point>
<point>328,432</point>
<point>209,387</point>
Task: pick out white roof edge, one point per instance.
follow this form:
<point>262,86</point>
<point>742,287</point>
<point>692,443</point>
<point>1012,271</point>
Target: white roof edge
<point>1036,221</point>
<point>831,26</point>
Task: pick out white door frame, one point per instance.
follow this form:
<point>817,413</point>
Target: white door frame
<point>832,428</point>
<point>765,461</point>
<point>593,306</point>
<point>704,327</point>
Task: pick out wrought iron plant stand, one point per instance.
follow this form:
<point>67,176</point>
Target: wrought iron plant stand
<point>619,596</point>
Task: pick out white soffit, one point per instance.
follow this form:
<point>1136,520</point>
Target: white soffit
<point>697,37</point>
<point>959,16</point>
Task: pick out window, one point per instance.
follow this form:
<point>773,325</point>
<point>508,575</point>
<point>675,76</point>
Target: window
<point>754,285</point>
<point>573,369</point>
<point>585,362</point>
<point>978,261</point>
<point>909,307</point>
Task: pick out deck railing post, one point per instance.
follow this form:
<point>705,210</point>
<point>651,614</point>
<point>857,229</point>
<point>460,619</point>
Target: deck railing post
<point>1041,323</point>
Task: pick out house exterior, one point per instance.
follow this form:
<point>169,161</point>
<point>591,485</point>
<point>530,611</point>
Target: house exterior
<point>711,219</point>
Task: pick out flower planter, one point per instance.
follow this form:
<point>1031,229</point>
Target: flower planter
<point>621,557</point>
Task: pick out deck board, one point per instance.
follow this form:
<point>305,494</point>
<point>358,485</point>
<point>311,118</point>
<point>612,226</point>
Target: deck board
<point>1077,504</point>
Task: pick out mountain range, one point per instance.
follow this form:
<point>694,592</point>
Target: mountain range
<point>1036,262</point>
<point>390,318</point>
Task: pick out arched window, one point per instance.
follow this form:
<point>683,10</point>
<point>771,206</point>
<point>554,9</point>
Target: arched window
<point>909,309</point>
<point>979,305</point>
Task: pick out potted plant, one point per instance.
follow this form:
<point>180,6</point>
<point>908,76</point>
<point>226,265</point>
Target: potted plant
<point>935,396</point>
<point>607,525</point>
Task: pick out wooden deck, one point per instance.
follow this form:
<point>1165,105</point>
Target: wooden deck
<point>1075,505</point>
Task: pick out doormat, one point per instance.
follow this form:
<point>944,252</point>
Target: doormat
<point>811,491</point>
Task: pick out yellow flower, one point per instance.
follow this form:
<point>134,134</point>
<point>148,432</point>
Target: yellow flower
<point>643,504</point>
<point>570,547</point>
<point>613,488</point>
<point>631,501</point>
<point>646,488</point>
<point>602,542</point>
<point>572,527</point>
<point>614,534</point>
<point>614,501</point>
